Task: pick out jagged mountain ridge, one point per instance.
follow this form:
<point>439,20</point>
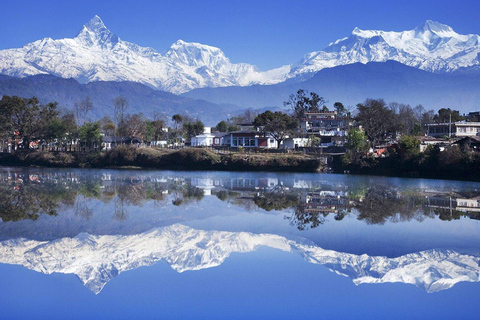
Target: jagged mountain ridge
<point>96,54</point>
<point>431,46</point>
<point>96,259</point>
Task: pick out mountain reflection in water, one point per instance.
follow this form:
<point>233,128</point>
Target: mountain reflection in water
<point>97,259</point>
<point>32,200</point>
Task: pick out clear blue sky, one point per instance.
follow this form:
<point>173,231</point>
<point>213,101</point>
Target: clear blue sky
<point>265,33</point>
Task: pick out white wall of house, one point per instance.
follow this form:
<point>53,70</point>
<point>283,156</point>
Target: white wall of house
<point>203,140</point>
<point>291,143</point>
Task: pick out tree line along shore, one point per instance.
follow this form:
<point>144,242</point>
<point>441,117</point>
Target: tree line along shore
<point>372,138</point>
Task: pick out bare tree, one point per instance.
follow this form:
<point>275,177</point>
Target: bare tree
<point>82,109</point>
<point>120,104</point>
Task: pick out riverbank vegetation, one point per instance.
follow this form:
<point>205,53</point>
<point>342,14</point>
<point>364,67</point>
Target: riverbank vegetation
<point>166,159</point>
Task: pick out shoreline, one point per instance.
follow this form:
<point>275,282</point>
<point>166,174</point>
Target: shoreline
<point>190,159</point>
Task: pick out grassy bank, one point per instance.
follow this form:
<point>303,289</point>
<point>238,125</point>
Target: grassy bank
<point>184,159</point>
<point>454,163</point>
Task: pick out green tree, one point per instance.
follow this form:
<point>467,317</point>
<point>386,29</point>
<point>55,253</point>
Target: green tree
<point>445,115</point>
<point>177,119</point>
<point>340,108</point>
<point>222,126</point>
<point>409,146</point>
<point>90,134</point>
<point>277,124</point>
<point>193,128</point>
<point>26,118</point>
<point>154,129</point>
<point>376,119</point>
<point>356,144</point>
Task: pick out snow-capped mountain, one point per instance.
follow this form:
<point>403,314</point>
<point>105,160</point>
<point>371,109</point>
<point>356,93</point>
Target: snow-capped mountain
<point>431,46</point>
<point>96,54</point>
<point>96,259</point>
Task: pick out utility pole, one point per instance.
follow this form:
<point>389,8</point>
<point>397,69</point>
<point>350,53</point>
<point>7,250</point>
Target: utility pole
<point>450,126</point>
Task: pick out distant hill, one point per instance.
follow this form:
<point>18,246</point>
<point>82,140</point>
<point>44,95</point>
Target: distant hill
<point>354,83</point>
<point>141,98</point>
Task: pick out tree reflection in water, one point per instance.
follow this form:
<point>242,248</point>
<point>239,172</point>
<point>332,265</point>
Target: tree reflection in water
<point>305,205</point>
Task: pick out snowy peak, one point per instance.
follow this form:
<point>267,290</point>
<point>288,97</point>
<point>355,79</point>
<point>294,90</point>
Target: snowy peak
<point>441,30</point>
<point>97,54</point>
<point>96,25</point>
<point>197,55</point>
<point>431,46</point>
<point>94,32</point>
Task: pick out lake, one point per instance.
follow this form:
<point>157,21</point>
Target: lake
<point>125,244</point>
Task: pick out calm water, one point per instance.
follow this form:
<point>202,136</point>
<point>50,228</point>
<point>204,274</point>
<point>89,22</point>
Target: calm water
<point>106,244</point>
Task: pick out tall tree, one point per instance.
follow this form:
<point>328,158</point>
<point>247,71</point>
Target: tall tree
<point>303,102</point>
<point>82,109</point>
<point>177,119</point>
<point>193,128</point>
<point>120,104</point>
<point>247,116</point>
<point>376,120</point>
<point>446,115</point>
<point>340,108</point>
<point>107,126</point>
<point>278,124</point>
<point>90,134</point>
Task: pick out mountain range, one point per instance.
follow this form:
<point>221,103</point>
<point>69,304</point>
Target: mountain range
<point>97,54</point>
<point>353,83</point>
<point>431,65</point>
<point>96,259</point>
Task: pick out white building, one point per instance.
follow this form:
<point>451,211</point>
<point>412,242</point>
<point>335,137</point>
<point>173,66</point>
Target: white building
<point>454,129</point>
<point>203,140</point>
<point>293,143</point>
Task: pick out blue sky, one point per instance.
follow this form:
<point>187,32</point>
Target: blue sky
<point>265,33</point>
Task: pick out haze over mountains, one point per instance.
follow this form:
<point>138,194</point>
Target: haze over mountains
<point>436,67</point>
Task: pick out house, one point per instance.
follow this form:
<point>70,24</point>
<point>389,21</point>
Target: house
<point>109,142</point>
<point>470,142</point>
<point>426,141</point>
<point>453,129</point>
<point>250,139</point>
<point>294,143</point>
<point>330,127</point>
<point>203,140</point>
<point>219,139</point>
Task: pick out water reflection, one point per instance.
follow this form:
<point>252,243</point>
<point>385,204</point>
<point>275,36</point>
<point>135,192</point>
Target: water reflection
<point>97,224</point>
<point>98,259</point>
<point>305,203</point>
